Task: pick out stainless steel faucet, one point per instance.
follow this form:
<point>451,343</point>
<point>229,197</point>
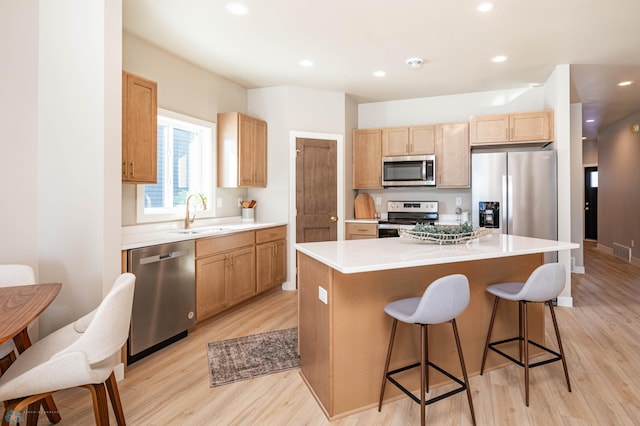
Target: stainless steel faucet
<point>188,220</point>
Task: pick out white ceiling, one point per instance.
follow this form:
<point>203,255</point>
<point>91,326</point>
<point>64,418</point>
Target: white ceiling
<point>349,39</point>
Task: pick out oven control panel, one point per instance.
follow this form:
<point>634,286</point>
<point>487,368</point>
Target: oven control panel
<point>412,206</point>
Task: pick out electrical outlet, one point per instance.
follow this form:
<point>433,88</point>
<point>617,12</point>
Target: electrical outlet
<point>633,243</point>
<point>239,201</point>
<point>458,201</point>
<point>378,201</point>
<point>322,295</point>
<point>219,202</point>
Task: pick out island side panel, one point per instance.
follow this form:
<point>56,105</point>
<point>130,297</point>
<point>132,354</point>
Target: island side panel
<point>361,329</point>
<point>314,329</point>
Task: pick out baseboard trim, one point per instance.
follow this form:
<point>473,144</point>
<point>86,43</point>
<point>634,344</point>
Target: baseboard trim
<point>565,302</point>
<point>578,270</point>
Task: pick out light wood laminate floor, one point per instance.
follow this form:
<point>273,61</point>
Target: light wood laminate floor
<point>601,337</point>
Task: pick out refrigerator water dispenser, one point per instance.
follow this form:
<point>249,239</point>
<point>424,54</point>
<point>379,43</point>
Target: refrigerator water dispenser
<point>489,214</point>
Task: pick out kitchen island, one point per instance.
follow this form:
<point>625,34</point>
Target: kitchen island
<point>343,331</point>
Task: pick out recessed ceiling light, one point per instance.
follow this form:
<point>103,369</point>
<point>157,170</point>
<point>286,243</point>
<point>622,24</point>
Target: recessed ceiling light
<point>591,120</point>
<point>379,73</point>
<point>625,83</point>
<point>584,138</point>
<point>498,58</point>
<point>305,63</point>
<point>415,62</point>
<point>236,8</point>
<point>485,6</point>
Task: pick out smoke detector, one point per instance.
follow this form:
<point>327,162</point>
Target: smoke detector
<point>415,62</point>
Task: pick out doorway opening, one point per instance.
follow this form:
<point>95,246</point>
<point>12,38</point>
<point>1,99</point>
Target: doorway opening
<point>591,203</point>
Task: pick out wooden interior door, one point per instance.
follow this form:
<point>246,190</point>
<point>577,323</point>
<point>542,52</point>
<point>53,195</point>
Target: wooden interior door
<point>316,190</point>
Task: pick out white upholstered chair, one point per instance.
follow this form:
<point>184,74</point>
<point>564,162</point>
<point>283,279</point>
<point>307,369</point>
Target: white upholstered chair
<point>83,353</point>
<point>12,275</point>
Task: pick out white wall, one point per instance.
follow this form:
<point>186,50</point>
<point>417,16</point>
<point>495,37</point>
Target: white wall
<point>187,89</point>
<point>290,109</point>
<point>19,121</point>
<point>452,108</point>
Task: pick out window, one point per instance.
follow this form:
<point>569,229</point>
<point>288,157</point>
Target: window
<point>594,179</point>
<point>185,165</point>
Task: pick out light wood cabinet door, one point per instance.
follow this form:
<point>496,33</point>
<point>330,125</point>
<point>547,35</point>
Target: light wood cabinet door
<point>271,264</point>
<point>531,126</point>
<point>489,129</point>
<point>241,277</point>
<point>367,158</point>
<point>395,141</point>
<point>211,295</point>
<point>515,128</point>
<point>422,140</point>
<point>361,231</point>
<point>400,141</point>
<point>139,129</point>
<point>453,156</point>
<point>242,151</point>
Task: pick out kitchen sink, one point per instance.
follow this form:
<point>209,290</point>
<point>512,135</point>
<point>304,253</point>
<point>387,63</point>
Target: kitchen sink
<point>207,230</point>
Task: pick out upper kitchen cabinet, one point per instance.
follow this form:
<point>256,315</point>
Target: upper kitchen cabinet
<point>453,156</point>
<point>242,151</point>
<point>139,129</point>
<point>367,158</point>
<point>500,129</point>
<point>399,141</point>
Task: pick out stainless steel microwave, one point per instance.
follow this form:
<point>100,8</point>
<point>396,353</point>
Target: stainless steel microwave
<point>410,170</point>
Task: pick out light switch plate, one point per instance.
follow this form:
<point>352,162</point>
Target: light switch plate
<point>458,201</point>
<point>378,201</point>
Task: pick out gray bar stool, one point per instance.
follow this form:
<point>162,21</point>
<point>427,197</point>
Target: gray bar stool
<point>442,301</point>
<point>543,285</point>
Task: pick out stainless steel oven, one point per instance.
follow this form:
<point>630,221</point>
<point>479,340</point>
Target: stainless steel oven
<point>405,214</point>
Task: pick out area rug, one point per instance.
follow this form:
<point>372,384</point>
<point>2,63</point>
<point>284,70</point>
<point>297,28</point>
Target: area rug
<point>252,356</point>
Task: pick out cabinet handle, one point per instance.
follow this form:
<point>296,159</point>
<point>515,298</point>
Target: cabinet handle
<point>124,169</point>
<point>275,249</point>
<point>231,259</point>
<point>226,261</point>
<point>133,170</point>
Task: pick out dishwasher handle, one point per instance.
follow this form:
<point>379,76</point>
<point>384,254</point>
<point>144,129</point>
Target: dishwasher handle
<point>161,257</point>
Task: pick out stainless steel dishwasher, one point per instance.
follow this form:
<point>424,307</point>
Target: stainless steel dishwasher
<point>164,299</point>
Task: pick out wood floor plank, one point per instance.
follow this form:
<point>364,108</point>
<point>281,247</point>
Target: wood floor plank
<point>601,337</point>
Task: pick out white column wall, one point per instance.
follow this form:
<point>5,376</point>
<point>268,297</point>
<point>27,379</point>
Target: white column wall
<point>79,147</point>
<point>557,97</point>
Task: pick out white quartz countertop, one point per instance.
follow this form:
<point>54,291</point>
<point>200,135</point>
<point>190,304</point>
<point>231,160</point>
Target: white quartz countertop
<point>149,235</point>
<point>354,256</point>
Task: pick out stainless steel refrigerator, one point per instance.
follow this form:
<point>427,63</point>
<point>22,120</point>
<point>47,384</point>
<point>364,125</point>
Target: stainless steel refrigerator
<point>515,192</point>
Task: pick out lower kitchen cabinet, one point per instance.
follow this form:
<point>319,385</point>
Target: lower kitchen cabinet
<point>225,272</point>
<point>233,268</point>
<point>271,257</point>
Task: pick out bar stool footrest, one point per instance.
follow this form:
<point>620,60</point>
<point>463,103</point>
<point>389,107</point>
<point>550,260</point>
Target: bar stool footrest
<point>410,394</point>
<point>557,356</point>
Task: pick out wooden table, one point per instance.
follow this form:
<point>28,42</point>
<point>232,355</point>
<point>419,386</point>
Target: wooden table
<point>19,307</point>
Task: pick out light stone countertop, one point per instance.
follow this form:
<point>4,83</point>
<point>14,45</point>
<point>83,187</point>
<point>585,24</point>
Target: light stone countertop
<point>154,234</point>
<point>355,256</point>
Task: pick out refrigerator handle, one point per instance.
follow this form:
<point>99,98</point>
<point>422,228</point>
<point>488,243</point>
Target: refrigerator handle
<point>504,209</point>
<point>510,203</point>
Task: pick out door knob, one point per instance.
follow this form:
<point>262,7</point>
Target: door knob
<point>586,208</point>
<point>333,219</point>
